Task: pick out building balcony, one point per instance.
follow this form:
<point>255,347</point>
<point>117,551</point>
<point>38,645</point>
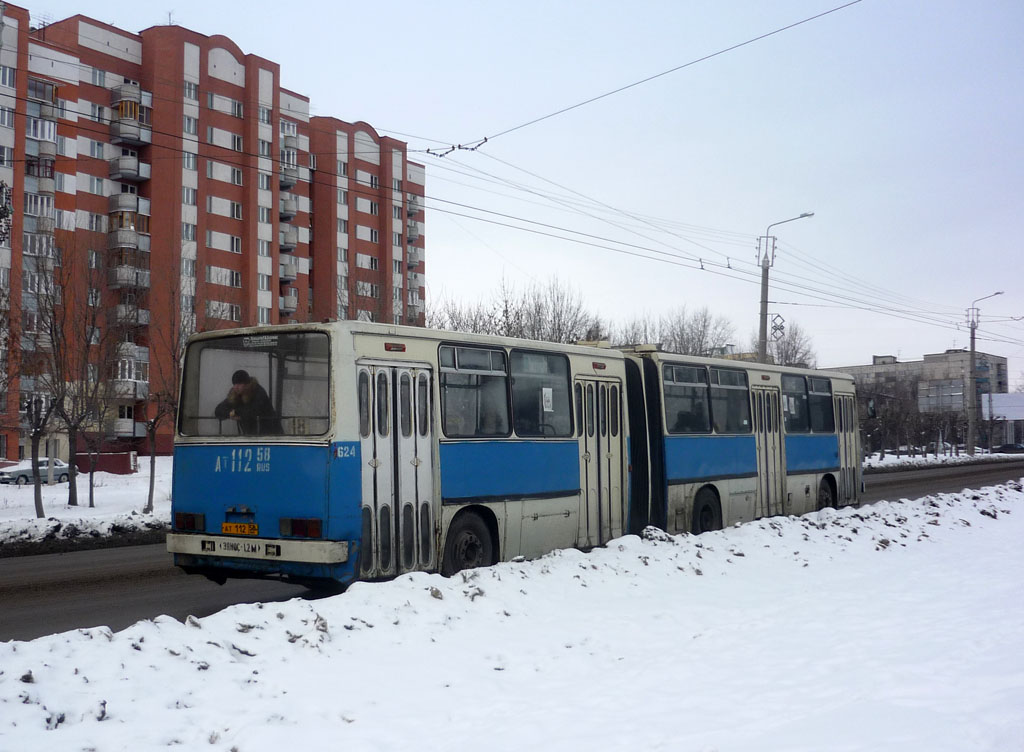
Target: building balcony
<point>127,314</point>
<point>45,186</point>
<point>119,277</point>
<point>289,142</point>
<point>127,428</point>
<point>413,256</point>
<point>130,131</point>
<point>288,270</point>
<point>129,168</point>
<point>47,149</point>
<point>44,225</point>
<point>127,350</point>
<point>412,231</point>
<point>289,303</point>
<point>289,176</point>
<point>413,205</point>
<point>122,239</point>
<point>129,389</point>
<point>125,93</point>
<point>47,111</point>
<point>288,207</point>
<point>288,238</point>
<point>130,202</point>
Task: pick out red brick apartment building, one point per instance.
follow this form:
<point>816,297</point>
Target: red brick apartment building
<point>176,169</point>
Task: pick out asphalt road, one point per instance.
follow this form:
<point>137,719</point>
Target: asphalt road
<point>117,587</point>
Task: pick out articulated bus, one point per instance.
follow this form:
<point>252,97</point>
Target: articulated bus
<point>336,452</point>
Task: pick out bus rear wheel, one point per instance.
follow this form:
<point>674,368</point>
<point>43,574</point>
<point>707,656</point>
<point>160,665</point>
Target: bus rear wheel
<point>468,545</point>
<point>707,512</point>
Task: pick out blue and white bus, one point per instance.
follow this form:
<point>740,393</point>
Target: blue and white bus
<point>357,451</point>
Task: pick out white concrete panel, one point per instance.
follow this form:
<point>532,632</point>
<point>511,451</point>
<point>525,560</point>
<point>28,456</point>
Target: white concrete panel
<point>266,88</point>
<point>110,43</point>
<point>293,107</point>
<point>416,173</point>
<point>220,240</point>
<point>363,233</point>
<point>303,143</point>
<point>264,298</point>
<point>342,145</point>
<point>190,214</point>
<point>191,63</point>
<point>220,206</point>
<point>264,265</point>
<point>190,108</point>
<point>5,258</point>
<point>396,163</point>
<point>265,231</point>
<point>366,147</point>
<point>302,264</point>
<point>49,62</point>
<point>304,235</point>
<point>190,178</point>
<point>363,204</point>
<point>221,64</point>
<point>188,250</point>
<point>264,198</point>
<point>7,138</point>
<point>220,171</point>
<point>363,177</point>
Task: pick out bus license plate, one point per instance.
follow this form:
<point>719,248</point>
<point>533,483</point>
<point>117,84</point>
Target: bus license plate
<point>239,528</point>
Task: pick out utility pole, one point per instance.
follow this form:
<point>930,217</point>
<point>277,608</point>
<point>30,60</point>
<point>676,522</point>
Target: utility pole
<point>972,389</point>
<point>766,258</point>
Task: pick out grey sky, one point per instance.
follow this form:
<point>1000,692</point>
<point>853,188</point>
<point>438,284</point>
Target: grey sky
<point>897,123</point>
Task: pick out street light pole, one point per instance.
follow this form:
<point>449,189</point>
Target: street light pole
<point>972,389</point>
<point>766,257</point>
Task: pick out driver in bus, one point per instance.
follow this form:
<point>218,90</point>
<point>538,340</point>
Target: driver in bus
<point>248,404</point>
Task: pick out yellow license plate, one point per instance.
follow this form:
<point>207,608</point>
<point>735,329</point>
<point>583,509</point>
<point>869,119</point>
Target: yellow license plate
<point>240,528</point>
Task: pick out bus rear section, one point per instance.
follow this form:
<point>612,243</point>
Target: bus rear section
<point>261,485</point>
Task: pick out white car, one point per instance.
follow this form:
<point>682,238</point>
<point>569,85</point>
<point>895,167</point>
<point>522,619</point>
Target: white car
<point>21,474</point>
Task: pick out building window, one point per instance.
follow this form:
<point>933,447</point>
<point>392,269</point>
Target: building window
<point>367,290</point>
<point>6,76</point>
<point>236,142</point>
<point>342,167</point>
<point>265,214</point>
<point>188,196</point>
<point>236,176</point>
<point>264,281</point>
<point>96,149</point>
<point>289,128</point>
<point>374,208</point>
<point>396,239</point>
<point>265,148</point>
<point>374,181</point>
<point>236,108</point>
<point>190,125</point>
<point>342,225</point>
<point>191,91</point>
<point>96,185</point>
<point>264,248</point>
<point>188,268</point>
<point>6,156</point>
<point>289,157</point>
<point>265,115</point>
<point>366,261</point>
<point>312,161</point>
<point>190,161</point>
<point>94,297</point>
<point>99,78</point>
<point>374,236</point>
<point>236,244</point>
<point>188,231</point>
<point>7,117</point>
<point>41,130</point>
<point>236,210</point>
<point>396,184</point>
<point>94,260</point>
<point>343,197</point>
<point>396,212</point>
<point>98,112</point>
<point>263,314</point>
<point>264,181</point>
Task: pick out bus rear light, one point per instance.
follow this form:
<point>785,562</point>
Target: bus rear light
<point>298,528</point>
<point>394,347</point>
<point>187,521</point>
<point>598,366</point>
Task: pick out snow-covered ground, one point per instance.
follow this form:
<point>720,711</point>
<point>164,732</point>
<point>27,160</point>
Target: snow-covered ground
<point>119,501</point>
<point>897,626</point>
<point>892,462</point>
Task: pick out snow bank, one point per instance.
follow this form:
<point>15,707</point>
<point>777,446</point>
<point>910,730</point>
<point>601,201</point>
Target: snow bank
<point>891,627</point>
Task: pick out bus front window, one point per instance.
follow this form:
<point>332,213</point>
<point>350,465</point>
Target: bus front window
<point>256,385</point>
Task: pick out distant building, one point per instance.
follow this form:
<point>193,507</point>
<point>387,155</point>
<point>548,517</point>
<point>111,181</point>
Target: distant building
<point>200,187</point>
<point>940,380</point>
<point>1007,410</point>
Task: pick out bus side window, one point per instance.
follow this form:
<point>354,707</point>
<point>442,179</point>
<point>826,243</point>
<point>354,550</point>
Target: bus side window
<point>405,404</point>
<point>590,409</point>
<point>613,411</point>
<point>382,404</point>
<point>602,412</point>
<point>579,410</point>
<point>423,404</point>
<point>364,404</point>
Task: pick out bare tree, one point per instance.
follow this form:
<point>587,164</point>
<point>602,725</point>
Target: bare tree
<point>474,318</point>
<point>9,354</point>
<point>680,331</point>
<point>794,348</point>
<point>81,340</point>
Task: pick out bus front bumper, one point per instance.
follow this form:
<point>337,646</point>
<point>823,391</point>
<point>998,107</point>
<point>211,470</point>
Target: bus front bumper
<point>266,549</point>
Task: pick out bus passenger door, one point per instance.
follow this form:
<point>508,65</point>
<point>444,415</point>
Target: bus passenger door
<point>397,475</point>
<point>771,478</point>
<point>599,414</point>
<point>846,430</point>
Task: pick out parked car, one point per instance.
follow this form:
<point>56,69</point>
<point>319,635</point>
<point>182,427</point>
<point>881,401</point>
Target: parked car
<point>21,474</point>
<point>1010,449</point>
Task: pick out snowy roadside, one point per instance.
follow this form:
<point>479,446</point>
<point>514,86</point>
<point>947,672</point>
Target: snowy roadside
<point>891,463</point>
<point>116,518</point>
<point>895,626</point>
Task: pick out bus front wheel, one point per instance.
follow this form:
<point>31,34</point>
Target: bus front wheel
<point>707,512</point>
<point>468,545</point>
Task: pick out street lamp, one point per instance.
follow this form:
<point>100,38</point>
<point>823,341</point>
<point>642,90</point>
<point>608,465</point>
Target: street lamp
<point>972,390</point>
<point>767,259</point>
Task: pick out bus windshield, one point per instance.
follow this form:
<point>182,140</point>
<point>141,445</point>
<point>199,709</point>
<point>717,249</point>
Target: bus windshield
<point>256,385</point>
